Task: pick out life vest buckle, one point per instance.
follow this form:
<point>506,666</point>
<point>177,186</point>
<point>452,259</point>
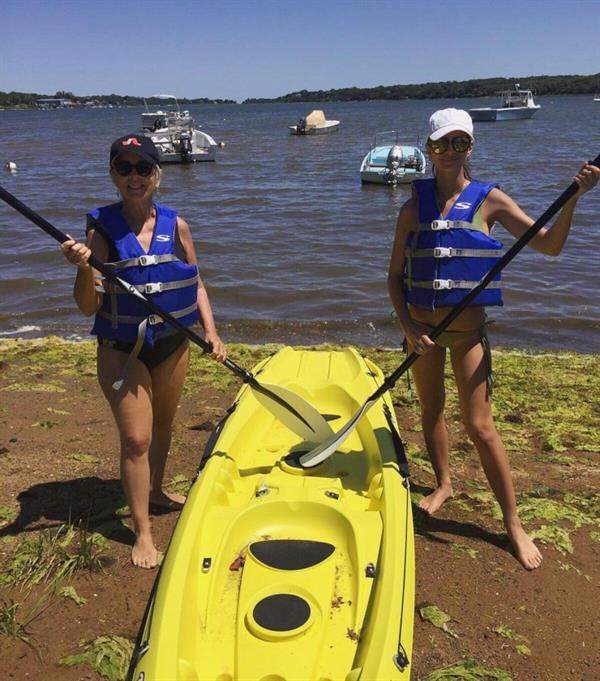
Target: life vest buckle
<point>443,284</point>
<point>154,319</point>
<point>147,260</point>
<point>440,224</point>
<point>153,288</point>
<point>442,252</point>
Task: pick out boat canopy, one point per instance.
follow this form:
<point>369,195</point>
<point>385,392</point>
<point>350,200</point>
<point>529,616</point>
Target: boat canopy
<point>315,119</point>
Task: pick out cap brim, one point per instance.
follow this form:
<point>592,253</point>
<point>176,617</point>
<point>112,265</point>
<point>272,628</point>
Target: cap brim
<point>452,127</point>
<point>141,154</point>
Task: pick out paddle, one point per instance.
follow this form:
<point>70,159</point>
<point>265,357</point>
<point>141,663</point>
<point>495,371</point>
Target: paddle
<point>291,409</point>
<point>327,448</point>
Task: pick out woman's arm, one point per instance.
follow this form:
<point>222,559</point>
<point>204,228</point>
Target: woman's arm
<point>499,207</point>
<point>415,333</point>
<point>84,291</point>
<point>204,308</point>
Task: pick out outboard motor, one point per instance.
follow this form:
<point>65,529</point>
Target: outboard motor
<point>301,127</point>
<point>393,163</point>
<point>185,143</point>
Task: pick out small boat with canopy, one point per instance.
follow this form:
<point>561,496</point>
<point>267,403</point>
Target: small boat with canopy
<point>392,162</point>
<point>314,124</point>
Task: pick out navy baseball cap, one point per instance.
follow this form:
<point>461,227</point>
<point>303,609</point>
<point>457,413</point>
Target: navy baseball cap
<point>139,145</point>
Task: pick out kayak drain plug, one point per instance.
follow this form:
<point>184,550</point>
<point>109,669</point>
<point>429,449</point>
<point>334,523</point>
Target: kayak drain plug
<point>206,563</point>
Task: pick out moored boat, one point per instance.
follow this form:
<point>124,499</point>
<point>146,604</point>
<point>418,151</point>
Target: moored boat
<point>391,162</point>
<point>314,124</point>
<point>175,134</point>
<point>276,572</point>
<point>514,104</point>
<point>184,145</point>
<point>171,115</point>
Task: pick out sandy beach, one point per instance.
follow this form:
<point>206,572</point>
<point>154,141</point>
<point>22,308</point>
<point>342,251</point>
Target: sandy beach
<point>71,602</point>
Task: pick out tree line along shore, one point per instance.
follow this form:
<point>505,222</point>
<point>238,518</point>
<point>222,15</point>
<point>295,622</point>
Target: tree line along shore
<point>453,89</point>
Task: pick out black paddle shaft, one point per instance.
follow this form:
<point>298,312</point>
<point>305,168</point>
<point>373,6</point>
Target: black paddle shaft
<point>41,222</point>
<point>569,192</point>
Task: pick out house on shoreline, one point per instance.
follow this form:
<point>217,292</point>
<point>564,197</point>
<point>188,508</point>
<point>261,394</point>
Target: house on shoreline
<point>54,103</point>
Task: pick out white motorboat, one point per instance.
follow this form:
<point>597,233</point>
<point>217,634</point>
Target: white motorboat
<point>175,134</point>
<point>390,162</point>
<point>184,145</point>
<point>171,115</point>
<point>514,104</point>
<point>314,124</point>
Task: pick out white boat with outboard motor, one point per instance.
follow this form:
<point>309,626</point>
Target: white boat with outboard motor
<point>514,105</point>
<point>171,115</point>
<point>175,134</point>
<point>391,162</point>
<point>314,124</point>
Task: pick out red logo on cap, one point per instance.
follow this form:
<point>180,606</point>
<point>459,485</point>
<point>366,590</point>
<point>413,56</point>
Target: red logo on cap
<point>131,140</point>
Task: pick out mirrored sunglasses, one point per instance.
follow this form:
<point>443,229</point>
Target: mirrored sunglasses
<point>124,168</point>
<point>459,144</point>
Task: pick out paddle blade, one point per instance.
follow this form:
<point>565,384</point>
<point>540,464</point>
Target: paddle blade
<point>327,448</point>
<point>294,412</point>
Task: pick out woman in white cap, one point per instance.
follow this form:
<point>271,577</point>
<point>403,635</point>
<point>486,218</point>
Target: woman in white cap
<point>442,249</point>
<point>142,361</point>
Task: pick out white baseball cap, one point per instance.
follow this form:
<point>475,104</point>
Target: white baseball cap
<point>448,120</point>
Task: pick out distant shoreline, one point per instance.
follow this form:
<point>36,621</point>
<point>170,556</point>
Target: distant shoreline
<point>299,101</point>
<point>475,88</point>
<point>454,89</point>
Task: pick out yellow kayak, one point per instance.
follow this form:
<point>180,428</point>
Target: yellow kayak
<point>279,573</point>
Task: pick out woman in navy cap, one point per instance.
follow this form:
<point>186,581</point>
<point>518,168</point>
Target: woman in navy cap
<point>142,361</point>
<point>443,248</point>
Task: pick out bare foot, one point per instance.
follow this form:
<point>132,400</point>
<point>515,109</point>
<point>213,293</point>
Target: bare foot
<point>172,502</point>
<point>432,502</point>
<point>144,553</point>
<point>526,552</point>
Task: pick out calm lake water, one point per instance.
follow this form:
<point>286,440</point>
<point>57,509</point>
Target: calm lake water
<point>292,247</point>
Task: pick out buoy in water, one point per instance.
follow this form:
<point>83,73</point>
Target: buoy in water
<point>11,166</point>
<point>221,145</point>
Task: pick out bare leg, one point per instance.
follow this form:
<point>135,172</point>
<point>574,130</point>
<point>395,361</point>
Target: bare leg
<point>132,410</point>
<point>428,373</point>
<point>167,385</point>
<point>470,373</point>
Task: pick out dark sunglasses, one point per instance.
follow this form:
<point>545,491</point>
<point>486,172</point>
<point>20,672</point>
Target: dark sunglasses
<point>124,168</point>
<point>459,144</point>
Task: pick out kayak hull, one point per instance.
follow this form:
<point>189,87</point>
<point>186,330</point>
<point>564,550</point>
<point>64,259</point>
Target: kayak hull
<point>275,573</point>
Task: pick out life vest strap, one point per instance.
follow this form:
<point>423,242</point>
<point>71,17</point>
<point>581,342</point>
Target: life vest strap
<point>438,225</point>
<point>155,287</point>
<point>142,261</point>
<point>449,284</point>
<point>450,252</point>
<point>152,318</point>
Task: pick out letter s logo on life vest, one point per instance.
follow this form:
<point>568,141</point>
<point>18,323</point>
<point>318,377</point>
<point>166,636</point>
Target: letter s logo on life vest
<point>163,237</point>
<point>131,140</point>
<point>462,205</point>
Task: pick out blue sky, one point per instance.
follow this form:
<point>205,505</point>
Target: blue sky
<point>234,49</point>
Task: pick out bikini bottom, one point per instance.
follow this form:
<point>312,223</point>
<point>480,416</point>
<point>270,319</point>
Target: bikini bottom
<point>449,338</point>
<point>150,355</point>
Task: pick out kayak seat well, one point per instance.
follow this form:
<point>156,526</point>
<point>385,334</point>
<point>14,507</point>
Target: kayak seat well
<point>291,554</point>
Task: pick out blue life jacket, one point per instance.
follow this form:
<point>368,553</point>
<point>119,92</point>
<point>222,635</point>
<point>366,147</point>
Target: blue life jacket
<point>446,258</point>
<point>159,275</point>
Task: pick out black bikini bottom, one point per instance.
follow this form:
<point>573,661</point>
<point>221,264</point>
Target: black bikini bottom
<point>150,355</point>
